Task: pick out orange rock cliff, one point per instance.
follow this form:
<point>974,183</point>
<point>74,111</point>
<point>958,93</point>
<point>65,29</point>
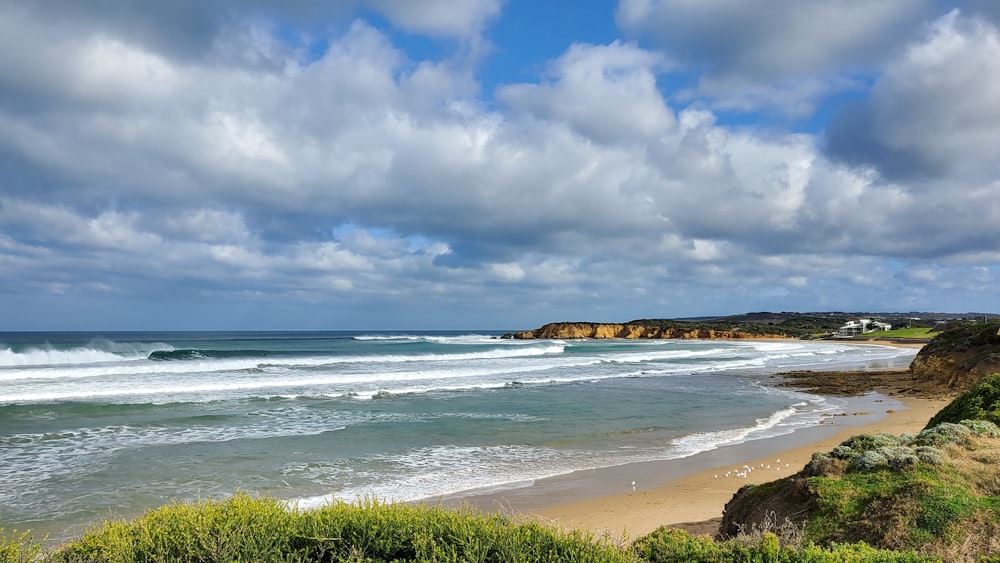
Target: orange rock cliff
<point>608,330</point>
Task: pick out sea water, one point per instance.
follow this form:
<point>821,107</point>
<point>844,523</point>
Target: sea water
<point>99,426</point>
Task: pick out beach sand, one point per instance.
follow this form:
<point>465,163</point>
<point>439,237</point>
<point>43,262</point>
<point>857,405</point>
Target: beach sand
<point>695,501</point>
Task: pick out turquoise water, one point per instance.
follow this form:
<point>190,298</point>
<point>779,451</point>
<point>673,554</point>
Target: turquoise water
<point>94,426</point>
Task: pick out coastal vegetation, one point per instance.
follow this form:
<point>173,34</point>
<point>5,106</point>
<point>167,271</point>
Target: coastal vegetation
<point>959,357</point>
<point>937,493</point>
<point>976,343</point>
<point>244,528</point>
<point>981,403</point>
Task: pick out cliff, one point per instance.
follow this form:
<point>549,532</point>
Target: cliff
<point>633,330</point>
<point>960,356</point>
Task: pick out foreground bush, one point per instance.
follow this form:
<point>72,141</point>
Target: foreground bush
<point>667,545</point>
<point>262,529</point>
<point>18,548</point>
<point>981,402</point>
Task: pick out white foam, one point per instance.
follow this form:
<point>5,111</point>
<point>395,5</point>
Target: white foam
<point>705,441</point>
<point>53,357</point>
<point>443,470</point>
<point>463,339</point>
<point>146,367</point>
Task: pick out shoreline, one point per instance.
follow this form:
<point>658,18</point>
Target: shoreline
<point>690,492</point>
<point>695,501</point>
<point>628,501</point>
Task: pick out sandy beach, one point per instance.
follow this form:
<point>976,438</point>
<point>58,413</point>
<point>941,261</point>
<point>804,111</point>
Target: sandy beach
<point>695,501</point>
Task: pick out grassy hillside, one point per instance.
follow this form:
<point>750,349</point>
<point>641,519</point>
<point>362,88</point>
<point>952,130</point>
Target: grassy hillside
<point>982,402</point>
<point>937,492</point>
<point>960,356</point>
<point>978,343</point>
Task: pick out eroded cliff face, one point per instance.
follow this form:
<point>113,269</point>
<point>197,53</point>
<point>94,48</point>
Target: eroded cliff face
<point>957,371</point>
<point>959,357</point>
<point>606,330</point>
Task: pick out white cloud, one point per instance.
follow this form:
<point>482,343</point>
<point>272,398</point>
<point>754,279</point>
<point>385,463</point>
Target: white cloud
<point>355,173</point>
<point>110,71</point>
<point>934,111</point>
<point>607,92</point>
<point>207,225</point>
<point>780,55</point>
<point>507,272</point>
<point>117,231</point>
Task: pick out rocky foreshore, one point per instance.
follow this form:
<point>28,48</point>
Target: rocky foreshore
<point>629,330</point>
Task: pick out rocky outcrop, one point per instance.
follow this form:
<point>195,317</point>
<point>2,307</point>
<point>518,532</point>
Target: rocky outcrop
<point>960,356</point>
<point>609,330</point>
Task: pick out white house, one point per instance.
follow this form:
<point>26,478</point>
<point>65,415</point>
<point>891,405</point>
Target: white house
<point>861,326</point>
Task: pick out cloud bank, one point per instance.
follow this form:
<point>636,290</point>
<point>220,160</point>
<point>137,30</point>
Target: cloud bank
<point>237,165</point>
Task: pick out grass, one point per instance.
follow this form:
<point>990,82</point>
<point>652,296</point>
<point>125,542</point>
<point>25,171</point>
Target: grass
<point>981,402</point>
<point>937,493</point>
<point>915,333</point>
<point>908,510</point>
<point>245,528</point>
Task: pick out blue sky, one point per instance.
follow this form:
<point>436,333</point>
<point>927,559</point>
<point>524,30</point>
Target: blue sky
<point>437,164</point>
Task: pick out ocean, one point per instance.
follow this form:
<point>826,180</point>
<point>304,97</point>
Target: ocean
<point>99,426</point>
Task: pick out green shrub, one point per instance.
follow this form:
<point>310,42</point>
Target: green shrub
<point>263,529</point>
<point>982,428</point>
<point>943,434</point>
<point>244,528</point>
<point>900,457</point>
<point>929,455</point>
<point>668,545</point>
<point>18,548</point>
<point>869,461</point>
<point>981,402</point>
<point>671,544</point>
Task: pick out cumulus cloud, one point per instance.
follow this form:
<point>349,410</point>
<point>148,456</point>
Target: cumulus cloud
<point>350,173</point>
<point>607,92</point>
<point>933,113</point>
<point>756,53</point>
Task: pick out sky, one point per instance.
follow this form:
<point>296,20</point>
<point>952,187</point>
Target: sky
<point>493,164</point>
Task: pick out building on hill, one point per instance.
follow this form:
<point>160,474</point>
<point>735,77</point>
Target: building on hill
<point>861,326</point>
